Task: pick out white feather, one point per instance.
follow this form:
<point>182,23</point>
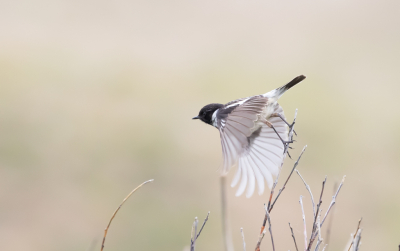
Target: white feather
<point>252,180</point>
<point>243,181</point>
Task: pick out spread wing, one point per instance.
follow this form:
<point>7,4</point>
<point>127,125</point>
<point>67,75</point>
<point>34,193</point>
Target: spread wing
<point>250,143</point>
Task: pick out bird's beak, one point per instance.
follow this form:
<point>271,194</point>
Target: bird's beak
<point>197,117</point>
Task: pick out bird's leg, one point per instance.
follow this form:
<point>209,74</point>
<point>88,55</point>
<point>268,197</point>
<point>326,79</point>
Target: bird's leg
<point>269,124</point>
<point>284,120</point>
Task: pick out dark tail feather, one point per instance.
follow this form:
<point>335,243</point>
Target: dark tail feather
<point>289,85</point>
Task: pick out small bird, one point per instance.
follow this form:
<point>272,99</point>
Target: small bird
<point>253,133</point>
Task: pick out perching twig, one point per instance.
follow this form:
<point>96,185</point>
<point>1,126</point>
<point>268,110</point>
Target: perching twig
<point>290,137</point>
<point>270,206</point>
<point>294,239</point>
<point>308,189</point>
<point>244,243</point>
<point>113,215</point>
<point>304,222</point>
<point>355,234</point>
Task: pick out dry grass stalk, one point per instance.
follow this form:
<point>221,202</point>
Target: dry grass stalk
<point>116,211</point>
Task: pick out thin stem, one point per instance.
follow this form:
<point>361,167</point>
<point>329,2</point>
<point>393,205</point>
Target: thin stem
<point>116,211</point>
<point>270,229</point>
<point>333,200</point>
<point>330,222</point>
<point>355,234</point>
<point>244,243</point>
<point>304,222</point>
<point>290,139</point>
<point>308,189</point>
<point>294,239</point>
<point>194,234</point>
<point>204,223</point>
<point>290,175</point>
<point>312,237</point>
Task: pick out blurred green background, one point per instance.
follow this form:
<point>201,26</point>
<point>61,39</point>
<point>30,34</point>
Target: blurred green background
<point>97,97</point>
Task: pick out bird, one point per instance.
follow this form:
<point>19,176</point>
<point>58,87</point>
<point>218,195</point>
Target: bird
<point>254,133</point>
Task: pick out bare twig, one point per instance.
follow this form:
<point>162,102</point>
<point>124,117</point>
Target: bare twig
<point>314,229</point>
<point>194,234</point>
<point>290,175</point>
<point>270,228</point>
<point>260,238</point>
<point>204,223</point>
<point>355,234</point>
<point>304,222</point>
<point>244,243</point>
<point>113,215</point>
<point>308,189</point>
<point>357,240</point>
<point>319,234</point>
<point>290,137</point>
<point>324,247</point>
<point>329,227</point>
<point>333,200</point>
<point>270,206</point>
<point>294,239</point>
<point>264,230</point>
<point>314,234</point>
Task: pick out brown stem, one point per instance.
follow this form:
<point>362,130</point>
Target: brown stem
<point>116,211</point>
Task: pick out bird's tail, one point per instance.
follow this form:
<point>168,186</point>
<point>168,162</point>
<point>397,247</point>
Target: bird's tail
<point>278,92</point>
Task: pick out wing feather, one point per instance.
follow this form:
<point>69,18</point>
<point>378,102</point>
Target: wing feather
<point>251,144</point>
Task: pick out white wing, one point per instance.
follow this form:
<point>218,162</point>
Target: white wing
<point>253,146</point>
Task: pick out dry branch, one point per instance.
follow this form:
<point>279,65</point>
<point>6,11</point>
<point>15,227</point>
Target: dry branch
<point>290,137</point>
<point>333,200</point>
<point>330,222</point>
<point>355,234</point>
<point>112,217</point>
<point>308,189</point>
<point>196,235</point>
<point>294,239</point>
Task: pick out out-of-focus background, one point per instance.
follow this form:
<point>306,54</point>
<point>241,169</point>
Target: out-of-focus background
<point>97,97</point>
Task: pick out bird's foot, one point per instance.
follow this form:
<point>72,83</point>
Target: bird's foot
<point>284,120</point>
<point>285,142</point>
